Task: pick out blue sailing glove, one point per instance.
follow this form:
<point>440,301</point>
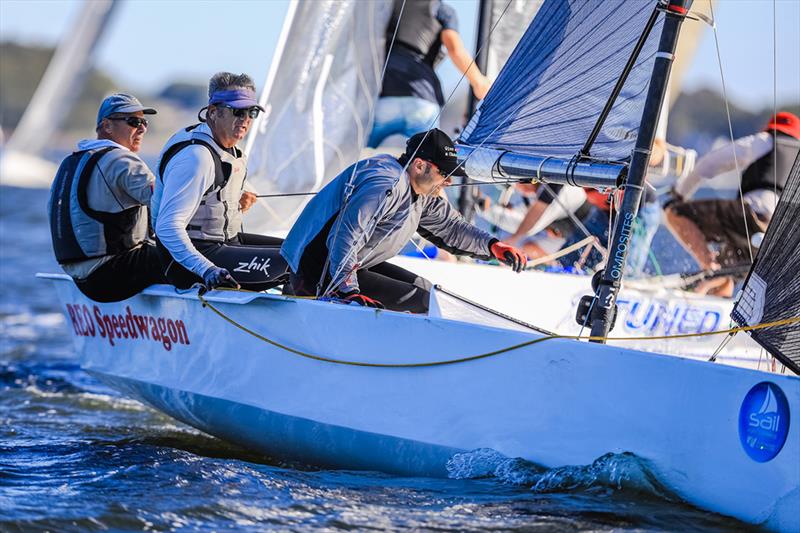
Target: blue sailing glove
<point>219,277</point>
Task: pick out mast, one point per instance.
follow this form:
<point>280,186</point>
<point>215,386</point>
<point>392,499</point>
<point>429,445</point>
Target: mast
<point>466,200</point>
<point>603,307</point>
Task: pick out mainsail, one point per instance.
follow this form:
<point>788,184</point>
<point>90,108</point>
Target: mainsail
<point>551,91</point>
<point>319,95</point>
<point>772,289</point>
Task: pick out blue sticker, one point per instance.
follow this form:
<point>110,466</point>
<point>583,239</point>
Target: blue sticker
<point>764,421</point>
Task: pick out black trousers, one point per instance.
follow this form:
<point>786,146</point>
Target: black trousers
<point>253,260</point>
<point>124,275</point>
<point>396,288</point>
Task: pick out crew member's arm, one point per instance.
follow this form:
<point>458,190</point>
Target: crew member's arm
<point>134,176</point>
<point>462,59</point>
<point>444,226</point>
<point>465,64</point>
<point>353,229</point>
<point>533,215</point>
<point>746,150</point>
<point>187,176</point>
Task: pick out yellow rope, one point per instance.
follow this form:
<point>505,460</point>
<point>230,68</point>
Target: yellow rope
<point>483,355</point>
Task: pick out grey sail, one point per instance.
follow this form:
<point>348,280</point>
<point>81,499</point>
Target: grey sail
<point>323,84</point>
<point>772,289</point>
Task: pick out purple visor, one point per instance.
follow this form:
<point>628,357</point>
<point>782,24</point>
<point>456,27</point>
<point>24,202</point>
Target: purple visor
<point>238,99</point>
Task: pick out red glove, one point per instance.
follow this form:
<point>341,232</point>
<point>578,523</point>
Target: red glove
<point>361,299</point>
<point>509,255</point>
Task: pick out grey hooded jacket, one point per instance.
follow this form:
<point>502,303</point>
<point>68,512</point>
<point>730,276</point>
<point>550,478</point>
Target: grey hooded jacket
<point>379,219</point>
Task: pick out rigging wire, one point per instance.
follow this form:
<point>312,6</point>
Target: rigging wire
<point>730,130</point>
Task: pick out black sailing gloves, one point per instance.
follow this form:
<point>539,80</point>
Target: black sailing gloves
<point>509,255</point>
<point>219,277</point>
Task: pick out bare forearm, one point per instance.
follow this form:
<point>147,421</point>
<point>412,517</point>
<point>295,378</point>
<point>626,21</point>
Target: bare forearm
<point>531,218</point>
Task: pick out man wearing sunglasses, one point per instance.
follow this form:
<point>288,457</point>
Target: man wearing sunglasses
<point>340,242</point>
<point>98,207</point>
<point>199,197</point>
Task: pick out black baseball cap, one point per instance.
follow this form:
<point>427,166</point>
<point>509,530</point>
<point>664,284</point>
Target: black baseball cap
<point>435,146</point>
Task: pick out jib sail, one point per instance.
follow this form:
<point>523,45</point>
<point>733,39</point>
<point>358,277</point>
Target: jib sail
<point>772,289</point>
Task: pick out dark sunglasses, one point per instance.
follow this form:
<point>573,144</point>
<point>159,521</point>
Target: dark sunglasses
<point>133,122</point>
<point>251,112</point>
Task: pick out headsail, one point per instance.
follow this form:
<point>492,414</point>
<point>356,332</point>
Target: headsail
<point>552,89</point>
<point>319,96</point>
<point>772,289</point>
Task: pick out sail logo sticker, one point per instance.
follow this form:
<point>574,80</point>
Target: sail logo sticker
<point>764,422</point>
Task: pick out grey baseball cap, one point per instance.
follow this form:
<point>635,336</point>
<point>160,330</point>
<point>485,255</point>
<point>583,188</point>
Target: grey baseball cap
<point>121,103</point>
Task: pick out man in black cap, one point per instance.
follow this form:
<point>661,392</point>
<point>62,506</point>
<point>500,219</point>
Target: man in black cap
<point>340,242</point>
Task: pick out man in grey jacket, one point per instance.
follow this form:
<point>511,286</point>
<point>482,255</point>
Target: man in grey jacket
<point>369,212</point>
<point>98,207</point>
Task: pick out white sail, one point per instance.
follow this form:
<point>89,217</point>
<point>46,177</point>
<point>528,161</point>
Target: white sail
<point>57,91</point>
<point>507,22</point>
<point>319,95</point>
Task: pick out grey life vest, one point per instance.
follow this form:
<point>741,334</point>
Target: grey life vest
<point>218,217</point>
<point>774,165</point>
<point>419,29</point>
<point>80,232</point>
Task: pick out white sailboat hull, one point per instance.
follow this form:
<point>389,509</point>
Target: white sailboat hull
<point>554,403</point>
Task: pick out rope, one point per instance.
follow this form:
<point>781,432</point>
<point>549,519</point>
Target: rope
<point>485,355</point>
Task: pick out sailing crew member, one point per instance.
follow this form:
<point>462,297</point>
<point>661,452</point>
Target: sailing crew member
<point>411,96</point>
<point>593,214</point>
<point>199,199</point>
<point>766,158</point>
<point>369,212</point>
<point>98,207</point>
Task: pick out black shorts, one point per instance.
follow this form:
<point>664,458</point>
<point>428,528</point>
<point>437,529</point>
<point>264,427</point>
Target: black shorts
<point>124,275</point>
<point>722,222</point>
<point>253,260</point>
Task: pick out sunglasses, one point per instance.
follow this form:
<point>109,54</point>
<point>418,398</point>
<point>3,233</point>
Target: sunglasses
<point>133,122</point>
<point>251,112</point>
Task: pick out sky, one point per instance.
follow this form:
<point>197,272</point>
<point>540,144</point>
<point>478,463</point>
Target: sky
<point>152,42</point>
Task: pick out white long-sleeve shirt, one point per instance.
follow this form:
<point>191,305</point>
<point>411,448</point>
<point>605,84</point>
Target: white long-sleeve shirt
<point>746,150</point>
<point>175,200</point>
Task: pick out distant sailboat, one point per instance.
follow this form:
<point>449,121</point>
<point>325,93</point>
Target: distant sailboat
<point>21,162</point>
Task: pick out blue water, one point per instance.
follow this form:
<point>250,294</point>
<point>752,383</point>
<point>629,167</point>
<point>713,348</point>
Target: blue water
<point>77,456</point>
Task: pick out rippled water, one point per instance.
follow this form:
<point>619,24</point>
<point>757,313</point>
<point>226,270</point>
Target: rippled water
<point>76,456</point>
